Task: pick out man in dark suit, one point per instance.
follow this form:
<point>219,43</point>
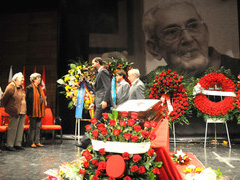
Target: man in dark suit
<point>123,87</point>
<point>137,90</point>
<point>103,99</point>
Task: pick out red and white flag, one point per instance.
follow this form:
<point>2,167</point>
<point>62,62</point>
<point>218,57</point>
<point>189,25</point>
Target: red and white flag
<point>10,75</point>
<point>43,83</point>
<point>24,84</point>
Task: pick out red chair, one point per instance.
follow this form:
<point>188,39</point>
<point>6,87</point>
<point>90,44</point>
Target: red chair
<point>3,129</point>
<point>5,116</point>
<point>48,123</point>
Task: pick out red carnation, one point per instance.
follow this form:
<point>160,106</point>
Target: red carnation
<point>122,123</point>
<point>85,153</point>
<point>141,170</point>
<point>147,124</point>
<point>127,178</point>
<point>88,157</point>
<point>93,120</point>
<point>134,138</point>
<point>153,124</point>
<point>102,165</point>
<point>137,128</point>
<point>95,177</point>
<point>112,122</point>
<point>116,131</point>
<point>86,164</point>
<point>136,158</point>
<point>88,127</point>
<point>111,178</point>
<point>95,133</point>
<point>156,170</point>
<point>104,131</point>
<point>95,162</point>
<point>150,152</point>
<point>102,151</point>
<point>145,134</point>
<point>81,171</point>
<point>127,136</point>
<point>134,168</point>
<point>105,115</point>
<point>125,155</point>
<point>131,122</point>
<point>134,115</point>
<point>124,113</point>
<point>100,126</point>
<point>152,136</point>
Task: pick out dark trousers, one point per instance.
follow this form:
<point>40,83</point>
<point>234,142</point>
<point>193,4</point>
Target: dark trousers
<point>34,133</point>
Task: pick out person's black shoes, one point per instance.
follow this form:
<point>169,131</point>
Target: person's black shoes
<point>19,147</point>
<point>82,145</point>
<point>8,148</point>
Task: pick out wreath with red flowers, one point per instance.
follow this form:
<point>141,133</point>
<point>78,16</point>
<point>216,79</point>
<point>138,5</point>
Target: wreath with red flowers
<point>220,109</point>
<point>169,84</point>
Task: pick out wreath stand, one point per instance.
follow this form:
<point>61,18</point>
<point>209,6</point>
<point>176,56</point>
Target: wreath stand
<point>174,137</point>
<point>78,129</point>
<point>214,93</point>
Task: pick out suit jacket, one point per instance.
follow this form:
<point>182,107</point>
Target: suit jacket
<point>102,88</point>
<point>123,92</point>
<point>137,90</point>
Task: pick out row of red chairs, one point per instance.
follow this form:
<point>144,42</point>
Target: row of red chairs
<point>49,123</point>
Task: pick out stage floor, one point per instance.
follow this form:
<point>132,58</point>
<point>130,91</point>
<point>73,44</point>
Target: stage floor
<point>31,164</point>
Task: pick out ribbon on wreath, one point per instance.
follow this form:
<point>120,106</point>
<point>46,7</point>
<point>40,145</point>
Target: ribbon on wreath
<point>114,90</point>
<point>82,91</point>
<point>165,98</point>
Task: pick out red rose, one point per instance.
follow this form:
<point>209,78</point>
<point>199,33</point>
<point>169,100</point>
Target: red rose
<point>88,127</point>
<point>111,178</point>
<point>124,113</point>
<point>98,173</point>
<point>95,133</point>
<point>95,162</point>
<point>141,170</point>
<point>127,136</point>
<point>152,136</point>
<point>81,171</point>
<point>88,157</point>
<point>112,122</point>
<point>122,123</point>
<point>153,124</point>
<point>147,124</point>
<point>102,151</point>
<point>85,153</point>
<point>100,126</point>
<point>86,164</point>
<point>125,155</point>
<point>127,178</point>
<point>116,131</point>
<point>131,122</point>
<point>150,152</point>
<point>93,120</point>
<point>134,115</point>
<point>102,165</point>
<point>145,134</point>
<point>136,158</point>
<point>137,128</point>
<point>95,177</point>
<point>134,138</point>
<point>105,115</point>
<point>104,131</point>
<point>156,170</point>
<point>134,168</point>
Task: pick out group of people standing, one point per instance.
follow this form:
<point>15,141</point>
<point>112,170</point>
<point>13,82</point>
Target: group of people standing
<point>103,98</point>
<point>17,104</point>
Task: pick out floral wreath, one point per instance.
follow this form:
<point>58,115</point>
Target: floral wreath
<point>168,86</point>
<point>221,109</point>
<point>78,73</point>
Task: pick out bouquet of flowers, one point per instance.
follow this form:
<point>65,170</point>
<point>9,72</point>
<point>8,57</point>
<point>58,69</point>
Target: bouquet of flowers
<point>121,130</point>
<point>137,166</point>
<point>77,73</point>
<point>169,87</point>
<point>180,157</point>
<point>113,65</point>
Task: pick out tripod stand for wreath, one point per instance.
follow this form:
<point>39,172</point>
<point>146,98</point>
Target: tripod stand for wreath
<point>83,92</point>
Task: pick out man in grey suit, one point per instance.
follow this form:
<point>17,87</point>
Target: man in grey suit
<point>123,87</point>
<point>137,90</point>
<point>103,98</point>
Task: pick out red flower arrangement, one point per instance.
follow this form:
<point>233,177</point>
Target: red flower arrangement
<point>209,107</point>
<point>169,84</point>
<point>138,166</point>
<point>121,130</point>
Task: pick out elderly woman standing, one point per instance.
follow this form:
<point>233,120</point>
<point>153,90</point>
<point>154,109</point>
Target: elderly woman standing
<point>15,105</point>
<point>35,108</point>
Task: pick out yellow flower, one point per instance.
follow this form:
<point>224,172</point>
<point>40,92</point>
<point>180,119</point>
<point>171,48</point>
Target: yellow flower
<point>79,67</point>
<point>67,87</point>
<point>68,94</point>
<point>66,78</point>
<point>71,71</point>
<point>77,76</point>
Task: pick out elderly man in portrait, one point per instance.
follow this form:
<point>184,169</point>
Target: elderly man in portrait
<point>137,90</point>
<point>175,31</point>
